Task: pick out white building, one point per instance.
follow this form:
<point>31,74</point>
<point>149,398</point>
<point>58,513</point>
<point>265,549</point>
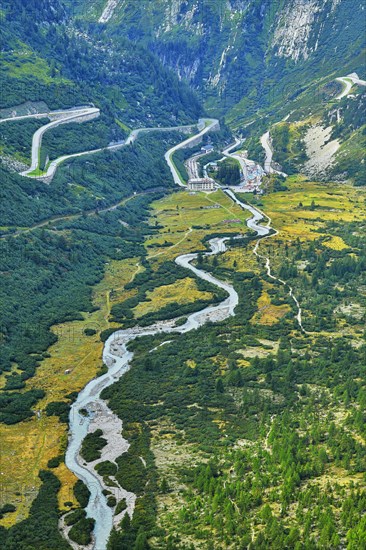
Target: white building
<point>201,184</point>
<point>207,148</point>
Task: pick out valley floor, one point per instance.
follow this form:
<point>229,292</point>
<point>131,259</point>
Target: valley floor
<point>249,417</point>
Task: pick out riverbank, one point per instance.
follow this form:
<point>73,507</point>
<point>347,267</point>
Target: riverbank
<point>117,358</point>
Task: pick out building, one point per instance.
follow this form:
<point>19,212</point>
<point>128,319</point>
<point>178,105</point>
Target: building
<point>207,148</point>
<point>201,184</point>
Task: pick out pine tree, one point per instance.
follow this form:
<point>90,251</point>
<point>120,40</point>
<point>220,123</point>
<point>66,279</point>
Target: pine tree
<point>164,487</point>
<point>141,541</point>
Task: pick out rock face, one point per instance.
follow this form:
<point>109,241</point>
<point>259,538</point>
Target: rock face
<point>320,149</point>
<point>108,11</point>
<point>294,29</point>
<point>300,27</point>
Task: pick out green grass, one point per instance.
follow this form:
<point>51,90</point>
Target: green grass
<point>122,125</point>
<point>25,63</point>
<point>175,166</point>
<point>37,173</point>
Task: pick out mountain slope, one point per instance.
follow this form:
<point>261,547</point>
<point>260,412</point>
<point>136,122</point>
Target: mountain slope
<point>255,62</point>
<point>46,57</point>
<point>241,52</point>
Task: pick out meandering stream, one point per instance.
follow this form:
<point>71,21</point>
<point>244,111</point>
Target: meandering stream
<point>265,232</point>
<point>118,359</point>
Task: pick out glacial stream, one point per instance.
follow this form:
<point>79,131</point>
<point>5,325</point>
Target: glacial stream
<point>118,359</point>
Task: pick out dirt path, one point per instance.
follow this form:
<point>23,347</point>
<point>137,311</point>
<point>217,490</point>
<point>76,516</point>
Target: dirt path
<point>68,217</point>
<point>174,245</point>
<point>265,444</point>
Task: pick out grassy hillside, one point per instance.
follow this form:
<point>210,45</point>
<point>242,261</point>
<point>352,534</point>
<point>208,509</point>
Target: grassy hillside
<point>298,139</point>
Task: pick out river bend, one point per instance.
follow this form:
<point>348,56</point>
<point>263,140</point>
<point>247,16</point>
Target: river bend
<point>118,359</point>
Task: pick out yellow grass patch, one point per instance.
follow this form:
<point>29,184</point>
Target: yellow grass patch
<point>187,218</point>
<point>118,274</point>
<point>183,291</point>
<point>68,480</point>
<point>221,363</point>
<point>291,228</point>
<point>28,446</point>
<point>336,243</point>
<point>240,259</point>
<point>220,424</point>
<point>243,363</point>
<point>291,214</point>
<point>268,314</point>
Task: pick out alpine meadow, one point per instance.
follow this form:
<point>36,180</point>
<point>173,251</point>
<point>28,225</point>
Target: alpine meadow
<point>182,275</point>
